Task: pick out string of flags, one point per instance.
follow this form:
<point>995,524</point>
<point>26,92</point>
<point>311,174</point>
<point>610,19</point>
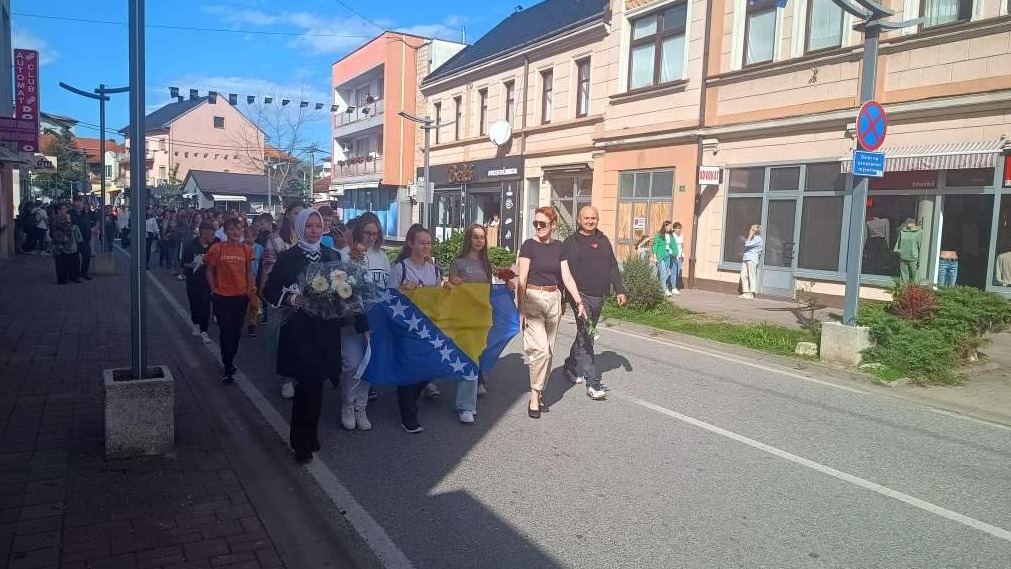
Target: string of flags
<point>233,99</point>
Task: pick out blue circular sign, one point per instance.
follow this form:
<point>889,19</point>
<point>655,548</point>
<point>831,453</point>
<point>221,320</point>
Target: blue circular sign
<point>872,124</point>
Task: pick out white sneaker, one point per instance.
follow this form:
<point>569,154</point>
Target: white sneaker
<point>207,339</point>
<point>745,295</point>
<point>288,390</point>
<point>467,417</point>
<point>667,293</point>
<point>675,291</point>
<point>431,390</point>
<point>363,420</point>
<point>481,390</point>
<point>596,394</point>
<point>348,417</point>
<point>196,331</point>
<point>180,277</point>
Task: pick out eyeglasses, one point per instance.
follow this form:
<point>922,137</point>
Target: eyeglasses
<point>540,224</point>
<point>370,233</point>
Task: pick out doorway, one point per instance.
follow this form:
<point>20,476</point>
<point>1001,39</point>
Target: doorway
<point>780,234</point>
<point>965,236</point>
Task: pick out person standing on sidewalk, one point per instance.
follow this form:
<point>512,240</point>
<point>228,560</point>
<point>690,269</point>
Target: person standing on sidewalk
<point>542,273</point>
<point>664,253</point>
<point>230,278</point>
<point>749,261</point>
<point>196,280</point>
<point>85,222</point>
<point>278,242</point>
<point>309,346</point>
<point>65,237</point>
<point>153,231</point>
<point>366,233</point>
<point>595,269</point>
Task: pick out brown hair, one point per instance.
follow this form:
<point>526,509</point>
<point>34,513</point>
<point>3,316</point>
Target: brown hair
<point>358,225</point>
<point>468,236</point>
<point>549,212</point>
<point>405,251</point>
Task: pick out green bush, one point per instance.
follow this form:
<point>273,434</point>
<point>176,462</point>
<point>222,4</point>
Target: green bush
<point>447,250</point>
<point>501,258</point>
<point>644,292</point>
<point>904,348</point>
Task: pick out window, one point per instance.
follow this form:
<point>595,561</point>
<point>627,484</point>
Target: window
<point>784,179</point>
<point>568,195</point>
<point>458,121</point>
<point>824,25</point>
<point>658,47</point>
<point>1002,259</point>
<point>510,101</point>
<point>161,144</point>
<point>186,154</point>
<point>161,172</point>
<point>759,31</point>
<point>746,181</point>
<point>108,171</point>
<point>820,233</point>
<point>582,87</point>
<point>657,184</point>
<point>827,177</point>
<point>482,117</point>
<point>438,120</point>
<point>219,122</point>
<point>547,95</point>
<point>741,214</point>
<point>941,12</point>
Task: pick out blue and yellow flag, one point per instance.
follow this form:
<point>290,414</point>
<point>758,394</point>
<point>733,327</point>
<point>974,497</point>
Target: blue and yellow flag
<point>433,333</point>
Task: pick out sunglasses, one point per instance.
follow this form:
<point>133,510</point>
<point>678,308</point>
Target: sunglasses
<point>540,224</point>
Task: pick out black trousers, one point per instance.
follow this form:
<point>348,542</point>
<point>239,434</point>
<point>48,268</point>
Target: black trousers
<point>231,314</point>
<point>200,303</point>
<point>66,267</point>
<point>407,398</point>
<point>84,250</point>
<point>151,240</point>
<point>305,411</point>
<point>582,360</point>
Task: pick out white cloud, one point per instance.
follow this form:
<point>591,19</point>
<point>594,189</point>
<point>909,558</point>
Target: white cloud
<point>328,35</point>
<point>21,39</point>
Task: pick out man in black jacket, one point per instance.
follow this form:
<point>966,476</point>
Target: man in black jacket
<point>84,220</point>
<point>595,269</point>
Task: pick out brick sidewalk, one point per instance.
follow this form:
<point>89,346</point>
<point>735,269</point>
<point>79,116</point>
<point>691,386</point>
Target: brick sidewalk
<point>61,503</point>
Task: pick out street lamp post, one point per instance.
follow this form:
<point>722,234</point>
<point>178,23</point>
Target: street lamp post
<point>138,195</point>
<point>871,16</point>
<point>427,124</point>
<point>101,94</point>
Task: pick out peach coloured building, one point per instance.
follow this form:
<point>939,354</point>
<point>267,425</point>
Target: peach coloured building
<point>620,106</point>
<point>373,148</point>
<point>196,134</point>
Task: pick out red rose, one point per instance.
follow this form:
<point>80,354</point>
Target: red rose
<point>506,274</point>
<point>594,245</point>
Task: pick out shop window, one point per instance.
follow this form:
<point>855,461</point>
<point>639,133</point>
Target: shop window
<point>969,178</point>
<point>1002,257</point>
<point>827,177</point>
<point>941,12</point>
<point>658,47</point>
<point>820,233</point>
<point>746,180</point>
<point>741,214</point>
<point>760,31</point>
<point>784,179</point>
<point>965,240</point>
<point>824,25</point>
<point>885,218</point>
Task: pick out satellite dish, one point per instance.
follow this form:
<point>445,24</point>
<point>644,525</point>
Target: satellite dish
<point>500,132</point>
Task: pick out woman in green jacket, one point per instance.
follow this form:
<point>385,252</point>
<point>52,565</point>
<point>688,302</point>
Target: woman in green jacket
<point>665,251</point>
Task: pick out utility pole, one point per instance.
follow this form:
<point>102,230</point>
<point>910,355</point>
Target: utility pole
<point>427,124</point>
<point>101,95</point>
<point>138,195</point>
<point>872,23</point>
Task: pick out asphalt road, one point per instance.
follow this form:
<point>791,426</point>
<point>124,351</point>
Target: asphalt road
<point>693,461</point>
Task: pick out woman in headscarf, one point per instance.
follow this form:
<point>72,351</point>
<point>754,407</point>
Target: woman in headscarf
<point>309,347</point>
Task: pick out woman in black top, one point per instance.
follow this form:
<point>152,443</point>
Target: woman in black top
<point>309,348</point>
<point>539,295</point>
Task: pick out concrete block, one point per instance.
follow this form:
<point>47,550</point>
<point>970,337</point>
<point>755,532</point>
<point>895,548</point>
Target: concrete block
<point>139,414</point>
<point>806,349</point>
<point>843,344</point>
<point>104,264</point>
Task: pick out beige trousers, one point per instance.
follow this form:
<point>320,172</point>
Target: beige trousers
<point>749,280</point>
<point>543,311</point>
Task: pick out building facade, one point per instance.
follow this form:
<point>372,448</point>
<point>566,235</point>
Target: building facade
<point>373,158</point>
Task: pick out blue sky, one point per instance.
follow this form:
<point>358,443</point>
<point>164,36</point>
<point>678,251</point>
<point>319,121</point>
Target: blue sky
<point>271,47</point>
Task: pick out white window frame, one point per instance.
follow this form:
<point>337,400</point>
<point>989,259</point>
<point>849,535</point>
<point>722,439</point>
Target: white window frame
<point>740,18</point>
<point>625,42</point>
<point>798,45</point>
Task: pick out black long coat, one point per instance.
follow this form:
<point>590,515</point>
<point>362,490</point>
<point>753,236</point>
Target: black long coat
<point>309,348</point>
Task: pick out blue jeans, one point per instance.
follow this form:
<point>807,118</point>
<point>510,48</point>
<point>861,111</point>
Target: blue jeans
<point>466,395</point>
<point>676,273</point>
<point>666,267</point>
<point>947,272</point>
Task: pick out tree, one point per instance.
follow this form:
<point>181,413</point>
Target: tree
<point>279,144</point>
<point>69,168</point>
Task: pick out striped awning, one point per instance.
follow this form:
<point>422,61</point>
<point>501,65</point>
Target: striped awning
<point>948,156</point>
<point>227,198</point>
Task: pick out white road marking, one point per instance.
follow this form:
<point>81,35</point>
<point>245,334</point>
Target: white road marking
<point>367,527</point>
<point>984,527</point>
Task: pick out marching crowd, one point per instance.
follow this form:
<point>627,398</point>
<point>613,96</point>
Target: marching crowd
<point>246,275</point>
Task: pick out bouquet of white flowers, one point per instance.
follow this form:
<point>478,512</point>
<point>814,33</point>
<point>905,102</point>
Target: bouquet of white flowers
<point>337,290</point>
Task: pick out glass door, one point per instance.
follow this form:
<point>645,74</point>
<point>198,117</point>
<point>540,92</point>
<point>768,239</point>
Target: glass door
<point>447,208</point>
<point>780,234</point>
<point>964,257</point>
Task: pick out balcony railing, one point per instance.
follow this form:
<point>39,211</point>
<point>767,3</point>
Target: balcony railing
<point>359,118</point>
<point>357,170</point>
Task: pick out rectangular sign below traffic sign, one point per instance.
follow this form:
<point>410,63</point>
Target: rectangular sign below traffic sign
<point>869,164</point>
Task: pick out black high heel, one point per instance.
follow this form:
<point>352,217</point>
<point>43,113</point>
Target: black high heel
<point>533,413</point>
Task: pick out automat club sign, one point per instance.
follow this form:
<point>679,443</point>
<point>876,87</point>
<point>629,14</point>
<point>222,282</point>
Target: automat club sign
<point>26,99</point>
